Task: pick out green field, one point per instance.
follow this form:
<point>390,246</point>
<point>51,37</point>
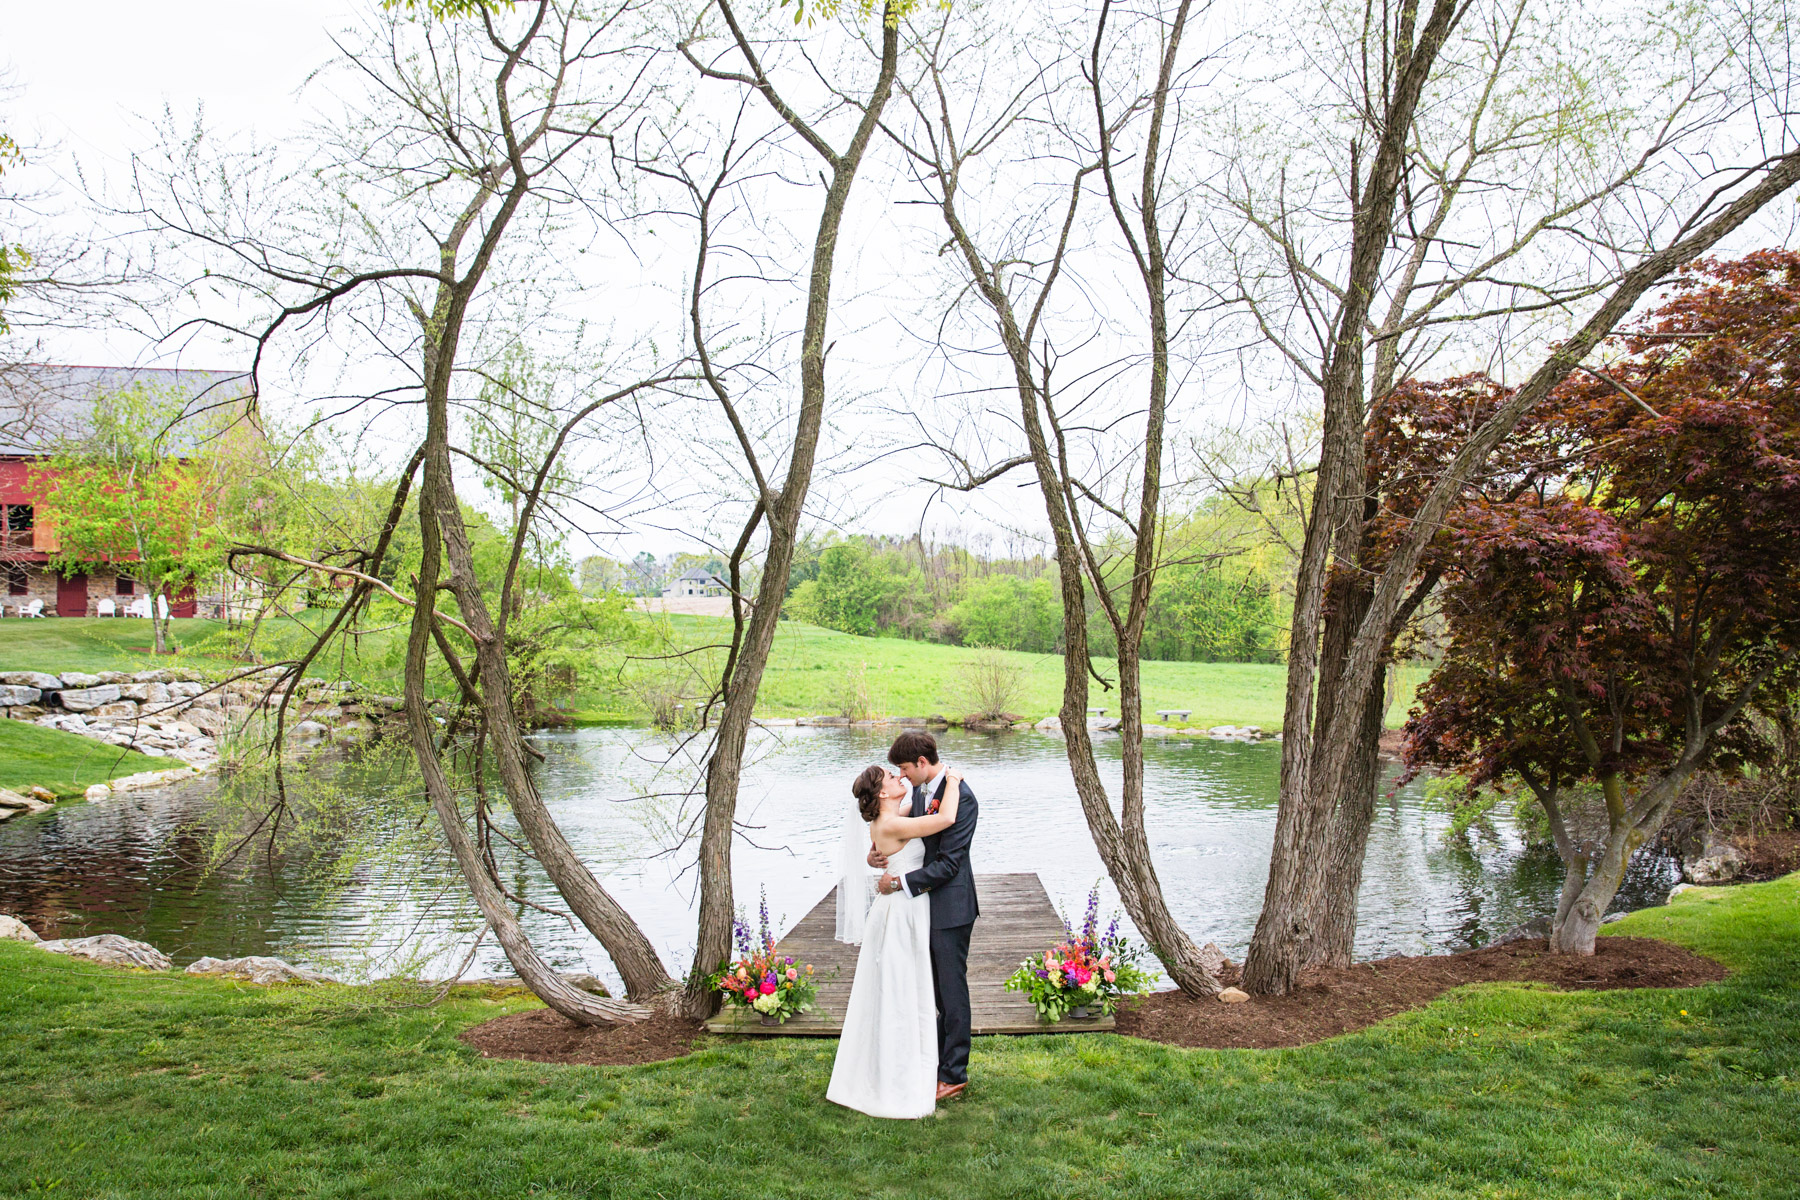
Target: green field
<point>813,671</point>
<point>64,763</point>
<point>122,1085</point>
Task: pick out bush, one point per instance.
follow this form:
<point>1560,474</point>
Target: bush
<point>1004,612</point>
<point>992,685</point>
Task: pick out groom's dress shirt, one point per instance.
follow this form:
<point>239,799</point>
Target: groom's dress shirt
<point>937,781</point>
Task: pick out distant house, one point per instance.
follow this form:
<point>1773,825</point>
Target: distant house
<point>695,582</point>
<point>44,407</point>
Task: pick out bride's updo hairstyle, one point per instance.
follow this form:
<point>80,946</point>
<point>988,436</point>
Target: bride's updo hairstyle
<point>867,790</point>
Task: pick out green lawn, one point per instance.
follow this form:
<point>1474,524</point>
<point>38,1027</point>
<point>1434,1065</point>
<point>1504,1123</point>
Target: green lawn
<point>63,762</point>
<point>140,1085</point>
<point>812,669</point>
<point>810,672</point>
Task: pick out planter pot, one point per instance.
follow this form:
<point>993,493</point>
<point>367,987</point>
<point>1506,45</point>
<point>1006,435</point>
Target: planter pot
<point>768,1020</point>
<point>1087,1012</point>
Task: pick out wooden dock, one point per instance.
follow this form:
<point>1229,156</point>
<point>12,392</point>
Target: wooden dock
<point>1017,921</point>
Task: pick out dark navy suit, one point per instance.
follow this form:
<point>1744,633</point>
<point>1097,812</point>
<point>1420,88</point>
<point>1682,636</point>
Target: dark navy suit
<point>947,877</point>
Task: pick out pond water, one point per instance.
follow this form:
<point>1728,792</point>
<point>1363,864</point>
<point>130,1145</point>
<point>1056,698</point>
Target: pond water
<point>126,864</point>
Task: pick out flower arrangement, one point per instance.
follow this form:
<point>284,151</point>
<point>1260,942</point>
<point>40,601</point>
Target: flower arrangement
<point>775,987</point>
<point>1088,970</point>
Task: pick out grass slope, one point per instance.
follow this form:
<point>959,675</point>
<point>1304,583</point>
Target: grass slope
<point>63,762</point>
<point>811,669</point>
<point>116,1085</point>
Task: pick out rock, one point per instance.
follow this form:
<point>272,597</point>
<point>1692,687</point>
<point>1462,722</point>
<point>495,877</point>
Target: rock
<point>13,803</point>
<point>116,678</point>
<point>152,677</point>
<point>586,983</point>
<point>186,691</point>
<point>111,950</point>
<point>1538,927</point>
<point>43,794</point>
<point>13,693</point>
<point>1049,725</point>
<point>153,692</point>
<point>1233,995</point>
<point>1103,724</point>
<point>206,720</point>
<point>1213,958</point>
<point>1158,731</point>
<point>118,708</point>
<point>13,929</point>
<point>79,679</point>
<point>37,679</point>
<point>25,712</point>
<point>85,699</point>
<point>150,779</point>
<point>98,791</point>
<point>1609,918</point>
<point>307,732</point>
<point>1721,863</point>
<point>391,703</point>
<point>1677,890</point>
<point>256,968</point>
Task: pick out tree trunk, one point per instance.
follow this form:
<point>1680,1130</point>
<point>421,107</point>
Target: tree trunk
<point>1348,842</point>
<point>537,975</point>
<point>724,770</point>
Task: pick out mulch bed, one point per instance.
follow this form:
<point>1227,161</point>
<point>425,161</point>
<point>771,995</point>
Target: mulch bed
<point>1327,1003</point>
<point>1330,1002</point>
<point>541,1035</point>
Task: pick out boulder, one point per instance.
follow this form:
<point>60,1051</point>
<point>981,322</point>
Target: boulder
<point>256,968</point>
<point>150,779</point>
<point>15,930</point>
<point>391,703</point>
<point>117,709</point>
<point>307,732</point>
<point>1158,731</point>
<point>16,693</point>
<point>110,949</point>
<point>153,692</point>
<point>152,677</point>
<point>79,679</point>
<point>1537,927</point>
<point>1233,995</point>
<point>206,720</point>
<point>1103,724</point>
<point>12,802</point>
<point>187,691</point>
<point>87,699</point>
<point>98,791</point>
<point>38,679</point>
<point>25,712</point>
<point>1049,725</point>
<point>1718,861</point>
<point>43,794</point>
<point>116,677</point>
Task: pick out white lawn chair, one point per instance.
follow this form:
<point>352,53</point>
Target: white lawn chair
<point>34,609</point>
<point>162,607</point>
<point>107,608</point>
<point>139,607</point>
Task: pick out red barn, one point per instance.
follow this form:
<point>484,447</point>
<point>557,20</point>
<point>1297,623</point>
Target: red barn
<point>42,407</point>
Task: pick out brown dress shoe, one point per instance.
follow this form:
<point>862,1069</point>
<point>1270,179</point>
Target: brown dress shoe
<point>950,1091</point>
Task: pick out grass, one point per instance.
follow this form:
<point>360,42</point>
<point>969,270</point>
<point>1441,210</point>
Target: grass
<point>116,1085</point>
<point>812,671</point>
<point>63,762</point>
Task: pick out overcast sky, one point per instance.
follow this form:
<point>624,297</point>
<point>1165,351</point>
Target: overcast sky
<point>90,79</point>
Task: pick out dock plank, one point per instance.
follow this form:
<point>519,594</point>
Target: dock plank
<point>1017,920</point>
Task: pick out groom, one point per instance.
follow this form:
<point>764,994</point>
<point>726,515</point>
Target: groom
<point>951,883</point>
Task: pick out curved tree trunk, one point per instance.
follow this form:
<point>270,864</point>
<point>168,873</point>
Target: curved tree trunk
<point>724,769</point>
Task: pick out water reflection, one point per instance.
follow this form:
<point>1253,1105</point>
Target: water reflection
<point>126,865</point>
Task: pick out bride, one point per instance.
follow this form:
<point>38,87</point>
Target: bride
<point>887,1057</point>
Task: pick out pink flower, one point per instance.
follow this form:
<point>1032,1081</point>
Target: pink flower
<point>1105,961</point>
<point>1110,977</point>
<point>768,988</point>
<point>792,974</point>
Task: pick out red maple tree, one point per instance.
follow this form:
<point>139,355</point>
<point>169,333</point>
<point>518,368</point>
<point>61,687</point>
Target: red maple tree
<point>1611,632</point>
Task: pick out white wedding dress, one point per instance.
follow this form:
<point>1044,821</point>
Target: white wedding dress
<point>887,1057</point>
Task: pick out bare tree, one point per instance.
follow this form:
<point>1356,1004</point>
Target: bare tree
<point>1481,192</point>
<point>780,507</point>
<point>470,140</point>
<point>1014,265</point>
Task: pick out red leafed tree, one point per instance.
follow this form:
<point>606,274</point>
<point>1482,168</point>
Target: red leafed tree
<point>1610,635</point>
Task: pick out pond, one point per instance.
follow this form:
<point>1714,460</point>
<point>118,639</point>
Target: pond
<point>125,864</point>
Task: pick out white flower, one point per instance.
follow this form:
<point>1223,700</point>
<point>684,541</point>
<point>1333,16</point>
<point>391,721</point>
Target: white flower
<point>770,1003</point>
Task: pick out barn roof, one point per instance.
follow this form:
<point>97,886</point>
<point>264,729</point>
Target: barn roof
<point>44,405</point>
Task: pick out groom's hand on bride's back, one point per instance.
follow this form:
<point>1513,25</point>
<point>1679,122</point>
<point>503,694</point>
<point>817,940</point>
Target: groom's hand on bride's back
<point>876,858</point>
